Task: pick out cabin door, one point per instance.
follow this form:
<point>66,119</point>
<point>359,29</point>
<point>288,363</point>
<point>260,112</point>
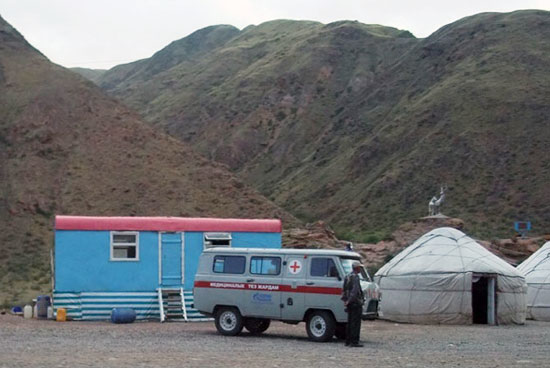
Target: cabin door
<point>171,245</point>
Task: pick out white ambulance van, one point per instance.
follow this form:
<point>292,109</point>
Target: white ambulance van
<point>242,287</point>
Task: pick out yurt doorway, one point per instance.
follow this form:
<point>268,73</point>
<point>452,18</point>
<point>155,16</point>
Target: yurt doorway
<point>483,299</point>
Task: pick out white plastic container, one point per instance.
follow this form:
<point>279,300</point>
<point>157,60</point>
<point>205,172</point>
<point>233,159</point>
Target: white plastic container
<point>50,312</point>
<point>35,311</point>
<point>27,312</point>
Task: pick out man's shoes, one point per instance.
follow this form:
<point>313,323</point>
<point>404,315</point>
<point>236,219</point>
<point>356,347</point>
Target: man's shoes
<point>347,343</point>
<point>357,345</point>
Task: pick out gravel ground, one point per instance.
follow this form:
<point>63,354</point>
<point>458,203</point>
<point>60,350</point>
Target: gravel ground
<point>33,343</point>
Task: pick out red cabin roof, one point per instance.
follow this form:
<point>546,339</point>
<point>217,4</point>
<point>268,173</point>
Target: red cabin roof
<point>166,224</point>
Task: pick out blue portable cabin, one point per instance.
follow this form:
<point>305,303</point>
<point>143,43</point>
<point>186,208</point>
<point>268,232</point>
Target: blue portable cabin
<point>144,263</point>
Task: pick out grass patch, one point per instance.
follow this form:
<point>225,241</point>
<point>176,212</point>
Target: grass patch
<point>362,236</point>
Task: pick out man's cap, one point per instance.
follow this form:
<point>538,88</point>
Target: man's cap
<point>356,264</point>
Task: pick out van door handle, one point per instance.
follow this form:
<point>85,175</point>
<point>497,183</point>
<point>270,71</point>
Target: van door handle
<point>249,280</point>
<point>310,283</point>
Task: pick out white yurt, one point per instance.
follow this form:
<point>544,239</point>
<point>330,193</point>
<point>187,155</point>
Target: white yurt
<point>446,277</point>
<point>536,270</point>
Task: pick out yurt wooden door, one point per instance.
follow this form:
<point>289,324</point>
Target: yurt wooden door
<point>484,299</point>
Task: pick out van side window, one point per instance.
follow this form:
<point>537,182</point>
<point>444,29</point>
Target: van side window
<point>323,267</point>
<point>229,264</point>
<point>265,265</point>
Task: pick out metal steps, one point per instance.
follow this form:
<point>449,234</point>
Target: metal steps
<point>172,304</point>
<point>175,305</point>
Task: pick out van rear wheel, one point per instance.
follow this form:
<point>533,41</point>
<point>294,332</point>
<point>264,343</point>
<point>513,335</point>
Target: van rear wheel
<point>320,326</point>
<point>256,325</point>
<point>229,321</point>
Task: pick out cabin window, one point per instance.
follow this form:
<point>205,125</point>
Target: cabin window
<point>212,240</point>
<point>124,246</point>
<point>265,265</point>
<point>323,267</point>
<point>229,264</point>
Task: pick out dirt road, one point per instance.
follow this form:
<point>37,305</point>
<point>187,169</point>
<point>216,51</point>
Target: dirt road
<point>32,343</point>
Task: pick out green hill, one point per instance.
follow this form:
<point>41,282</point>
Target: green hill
<point>67,148</point>
<point>359,124</point>
<point>92,74</point>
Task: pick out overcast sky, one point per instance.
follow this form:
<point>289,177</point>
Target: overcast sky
<point>103,33</point>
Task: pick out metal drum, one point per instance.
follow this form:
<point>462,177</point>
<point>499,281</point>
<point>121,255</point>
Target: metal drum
<point>123,315</point>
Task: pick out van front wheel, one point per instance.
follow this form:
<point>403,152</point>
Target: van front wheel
<point>229,321</point>
<point>256,325</point>
<point>320,326</point>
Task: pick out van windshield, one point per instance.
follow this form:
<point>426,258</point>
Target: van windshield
<point>347,262</point>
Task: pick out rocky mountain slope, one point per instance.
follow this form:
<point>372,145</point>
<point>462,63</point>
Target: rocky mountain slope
<point>374,255</point>
<point>67,148</point>
<point>358,125</point>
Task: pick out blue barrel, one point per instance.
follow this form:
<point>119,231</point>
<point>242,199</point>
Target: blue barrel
<point>42,304</point>
<point>123,315</point>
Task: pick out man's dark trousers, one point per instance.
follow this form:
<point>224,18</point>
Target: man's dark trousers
<point>353,328</point>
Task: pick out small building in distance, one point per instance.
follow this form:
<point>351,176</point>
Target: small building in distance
<point>144,263</point>
<point>445,277</point>
<point>536,270</point>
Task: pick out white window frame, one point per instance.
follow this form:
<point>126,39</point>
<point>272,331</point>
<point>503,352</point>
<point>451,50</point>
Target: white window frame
<point>113,244</point>
<point>216,236</point>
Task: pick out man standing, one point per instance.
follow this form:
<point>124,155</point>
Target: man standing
<point>353,300</point>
